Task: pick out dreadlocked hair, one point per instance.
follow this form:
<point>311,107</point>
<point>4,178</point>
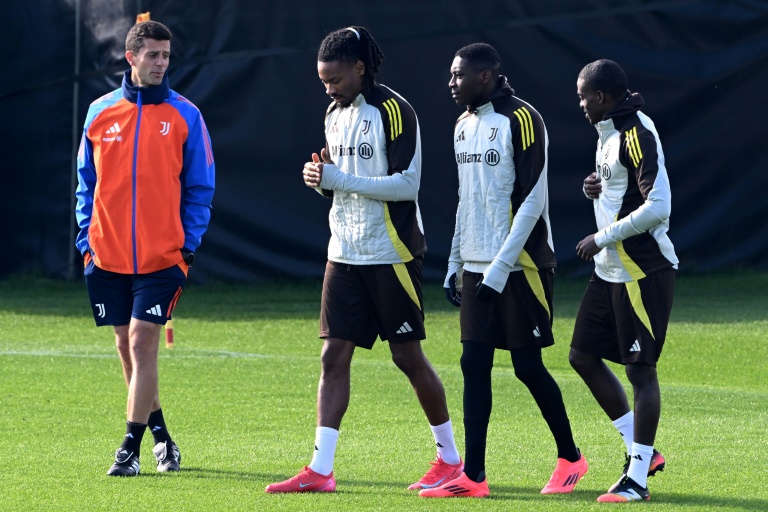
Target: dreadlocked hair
<point>344,45</point>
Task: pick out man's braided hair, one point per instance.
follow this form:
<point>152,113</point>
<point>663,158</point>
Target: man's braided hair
<point>344,45</point>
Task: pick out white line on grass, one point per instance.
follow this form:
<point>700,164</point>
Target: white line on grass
<point>227,354</point>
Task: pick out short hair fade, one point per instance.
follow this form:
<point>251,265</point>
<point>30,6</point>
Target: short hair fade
<point>607,76</point>
<point>481,56</point>
<point>134,41</point>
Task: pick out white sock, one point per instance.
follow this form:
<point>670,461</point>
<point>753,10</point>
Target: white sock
<point>446,445</point>
<point>626,427</point>
<point>641,461</point>
<point>325,449</point>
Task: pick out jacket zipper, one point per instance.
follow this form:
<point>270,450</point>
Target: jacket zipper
<point>133,184</point>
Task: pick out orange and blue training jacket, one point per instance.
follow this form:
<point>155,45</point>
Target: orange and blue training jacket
<point>145,179</point>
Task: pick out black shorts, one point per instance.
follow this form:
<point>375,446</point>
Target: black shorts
<point>115,298</point>
<point>520,316</point>
<point>625,322</point>
<point>361,302</point>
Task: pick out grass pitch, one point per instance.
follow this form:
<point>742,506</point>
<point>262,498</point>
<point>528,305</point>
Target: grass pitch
<point>238,392</point>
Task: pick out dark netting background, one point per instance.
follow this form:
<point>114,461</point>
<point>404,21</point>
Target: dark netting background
<point>250,66</point>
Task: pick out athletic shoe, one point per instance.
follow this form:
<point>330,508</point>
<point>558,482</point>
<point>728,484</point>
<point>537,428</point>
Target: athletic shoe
<point>566,476</point>
<point>461,487</point>
<point>627,490</point>
<point>657,464</point>
<point>440,473</point>
<point>168,456</point>
<point>306,481</point>
<point>126,464</point>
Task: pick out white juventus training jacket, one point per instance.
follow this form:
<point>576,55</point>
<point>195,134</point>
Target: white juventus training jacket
<point>502,221</point>
<point>632,211</point>
<point>374,181</point>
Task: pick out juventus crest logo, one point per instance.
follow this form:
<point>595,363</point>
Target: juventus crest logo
<point>366,126</point>
<point>494,131</point>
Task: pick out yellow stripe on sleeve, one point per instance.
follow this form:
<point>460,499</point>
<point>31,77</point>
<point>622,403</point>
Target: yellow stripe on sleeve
<point>635,297</point>
<point>532,137</point>
<point>633,145</point>
<point>405,280</point>
<point>395,118</point>
<point>391,122</point>
<point>526,127</point>
<point>399,116</point>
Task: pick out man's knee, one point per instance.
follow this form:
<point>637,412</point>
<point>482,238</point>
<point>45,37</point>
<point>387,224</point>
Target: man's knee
<point>408,357</point>
<point>476,358</point>
<point>582,362</point>
<point>336,357</point>
<point>143,340</point>
<point>641,375</point>
<point>122,341</point>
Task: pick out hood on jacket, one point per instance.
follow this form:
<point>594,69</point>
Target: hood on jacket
<point>631,104</point>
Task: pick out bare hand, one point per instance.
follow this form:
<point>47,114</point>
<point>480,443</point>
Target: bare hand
<point>587,248</point>
<point>313,171</point>
<point>592,186</point>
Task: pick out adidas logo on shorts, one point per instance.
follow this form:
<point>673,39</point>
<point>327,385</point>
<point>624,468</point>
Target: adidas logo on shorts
<point>405,328</point>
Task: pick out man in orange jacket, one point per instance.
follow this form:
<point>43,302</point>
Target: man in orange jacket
<point>145,185</point>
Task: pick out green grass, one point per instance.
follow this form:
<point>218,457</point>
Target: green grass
<point>239,397</point>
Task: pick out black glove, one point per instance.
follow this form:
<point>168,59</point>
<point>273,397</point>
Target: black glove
<point>485,293</point>
<point>188,257</point>
<point>451,293</point>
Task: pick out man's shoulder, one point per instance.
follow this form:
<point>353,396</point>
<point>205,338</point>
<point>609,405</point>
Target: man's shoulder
<point>107,99</point>
<point>383,98</point>
<point>181,103</point>
<point>635,125</point>
<point>514,107</point>
<point>98,107</point>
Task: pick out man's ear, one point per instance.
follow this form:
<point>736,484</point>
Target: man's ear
<point>360,68</point>
<point>601,97</point>
<point>129,57</point>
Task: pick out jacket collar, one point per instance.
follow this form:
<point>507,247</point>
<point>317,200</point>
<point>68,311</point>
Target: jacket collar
<point>154,95</point>
<point>631,104</point>
<point>615,118</point>
<point>502,89</point>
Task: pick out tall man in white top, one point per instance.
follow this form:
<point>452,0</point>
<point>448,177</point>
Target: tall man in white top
<point>371,168</point>
<point>625,311</point>
<point>502,254</point>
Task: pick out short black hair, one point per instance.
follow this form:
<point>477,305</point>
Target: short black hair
<point>607,76</point>
<point>351,44</point>
<point>481,56</point>
<point>146,30</point>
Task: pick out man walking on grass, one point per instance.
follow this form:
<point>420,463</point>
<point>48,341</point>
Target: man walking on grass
<point>625,310</point>
<point>371,167</point>
<point>501,267</point>
<point>145,185</point>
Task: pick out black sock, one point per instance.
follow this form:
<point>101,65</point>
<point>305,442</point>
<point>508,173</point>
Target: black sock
<point>134,432</point>
<point>476,365</point>
<point>157,426</point>
<point>530,369</point>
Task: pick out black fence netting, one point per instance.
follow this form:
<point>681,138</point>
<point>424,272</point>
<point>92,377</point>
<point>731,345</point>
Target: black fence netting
<point>702,67</point>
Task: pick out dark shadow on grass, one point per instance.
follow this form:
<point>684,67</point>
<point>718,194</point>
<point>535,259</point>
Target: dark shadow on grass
<point>198,472</point>
<point>692,500</point>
